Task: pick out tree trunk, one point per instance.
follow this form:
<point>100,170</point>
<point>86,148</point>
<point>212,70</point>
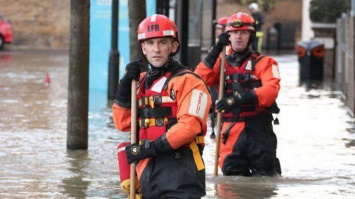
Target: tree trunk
<point>78,86</point>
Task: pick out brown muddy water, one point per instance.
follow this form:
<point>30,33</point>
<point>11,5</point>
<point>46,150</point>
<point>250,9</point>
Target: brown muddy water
<point>314,139</point>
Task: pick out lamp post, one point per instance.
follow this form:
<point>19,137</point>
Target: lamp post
<point>113,72</point>
<point>213,31</point>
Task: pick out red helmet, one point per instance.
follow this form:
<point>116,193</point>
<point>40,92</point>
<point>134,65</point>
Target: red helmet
<point>222,22</point>
<point>157,26</point>
<point>240,21</point>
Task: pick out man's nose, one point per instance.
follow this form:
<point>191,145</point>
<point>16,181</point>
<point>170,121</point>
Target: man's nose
<point>156,47</point>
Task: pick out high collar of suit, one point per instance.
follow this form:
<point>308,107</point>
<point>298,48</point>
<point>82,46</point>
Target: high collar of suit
<point>155,72</point>
<point>238,58</point>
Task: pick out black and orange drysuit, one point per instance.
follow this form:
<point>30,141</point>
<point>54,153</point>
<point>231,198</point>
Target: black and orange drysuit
<point>172,112</point>
<point>248,143</point>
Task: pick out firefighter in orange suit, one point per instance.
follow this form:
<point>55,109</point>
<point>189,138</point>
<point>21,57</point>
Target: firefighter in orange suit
<point>172,110</point>
<point>248,142</point>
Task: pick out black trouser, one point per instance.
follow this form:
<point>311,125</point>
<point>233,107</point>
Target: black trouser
<point>173,175</point>
<point>254,152</point>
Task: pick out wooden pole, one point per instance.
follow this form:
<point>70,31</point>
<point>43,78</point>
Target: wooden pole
<point>219,114</point>
<point>133,137</point>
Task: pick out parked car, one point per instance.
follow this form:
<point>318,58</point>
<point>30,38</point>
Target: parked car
<point>5,32</point>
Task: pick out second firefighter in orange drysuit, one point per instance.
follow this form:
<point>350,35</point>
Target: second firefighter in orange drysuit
<point>248,144</point>
<point>173,104</point>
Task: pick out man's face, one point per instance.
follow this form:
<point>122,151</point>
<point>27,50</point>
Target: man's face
<point>157,50</point>
<point>239,39</point>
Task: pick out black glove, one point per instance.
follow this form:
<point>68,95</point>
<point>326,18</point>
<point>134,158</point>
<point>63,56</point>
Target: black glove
<point>137,152</point>
<point>222,40</point>
<point>133,70</point>
<point>236,100</point>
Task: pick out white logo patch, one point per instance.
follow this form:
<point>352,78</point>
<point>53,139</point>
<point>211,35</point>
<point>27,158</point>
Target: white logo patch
<point>198,103</point>
<point>275,71</point>
<point>159,85</point>
<point>248,67</point>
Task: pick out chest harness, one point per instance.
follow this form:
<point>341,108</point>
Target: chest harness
<point>239,79</point>
<point>157,110</point>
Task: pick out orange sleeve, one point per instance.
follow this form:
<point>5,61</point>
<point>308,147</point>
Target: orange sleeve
<point>268,71</point>
<point>121,118</point>
<point>194,102</point>
<point>211,76</point>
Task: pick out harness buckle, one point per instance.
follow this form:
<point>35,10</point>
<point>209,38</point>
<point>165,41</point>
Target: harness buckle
<point>144,122</point>
<point>151,103</point>
<point>157,99</point>
<point>144,101</point>
<point>159,122</point>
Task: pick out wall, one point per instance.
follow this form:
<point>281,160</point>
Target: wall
<point>41,23</point>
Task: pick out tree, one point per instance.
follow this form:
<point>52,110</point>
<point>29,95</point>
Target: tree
<point>327,11</point>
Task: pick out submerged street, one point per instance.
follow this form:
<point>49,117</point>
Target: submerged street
<point>316,137</point>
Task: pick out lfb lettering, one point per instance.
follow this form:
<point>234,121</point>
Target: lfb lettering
<point>154,27</point>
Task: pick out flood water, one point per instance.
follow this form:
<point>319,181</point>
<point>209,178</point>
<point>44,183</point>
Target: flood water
<point>316,138</point>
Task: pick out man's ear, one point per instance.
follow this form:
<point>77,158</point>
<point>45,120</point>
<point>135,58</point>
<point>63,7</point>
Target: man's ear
<point>175,46</point>
<point>143,49</point>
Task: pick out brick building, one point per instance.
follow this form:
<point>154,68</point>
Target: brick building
<point>38,23</point>
<point>286,16</point>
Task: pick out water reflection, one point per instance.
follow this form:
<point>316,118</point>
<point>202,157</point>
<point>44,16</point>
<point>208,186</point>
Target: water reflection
<point>76,186</point>
<point>244,191</point>
<point>245,188</point>
<point>5,58</point>
<point>24,94</point>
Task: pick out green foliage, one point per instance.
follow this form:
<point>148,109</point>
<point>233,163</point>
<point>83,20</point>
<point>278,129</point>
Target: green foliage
<point>327,11</point>
<point>264,5</point>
